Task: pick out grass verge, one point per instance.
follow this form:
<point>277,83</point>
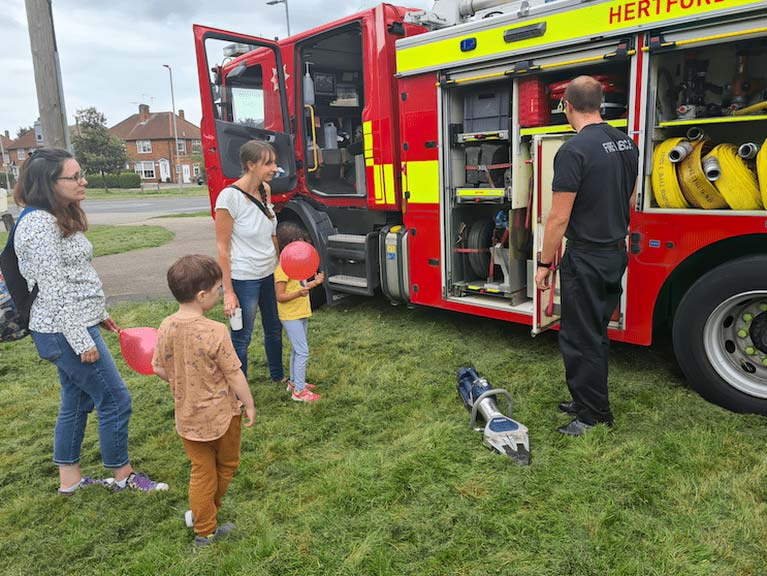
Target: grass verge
<point>147,192</point>
<point>108,240</point>
<point>383,476</point>
<point>186,215</point>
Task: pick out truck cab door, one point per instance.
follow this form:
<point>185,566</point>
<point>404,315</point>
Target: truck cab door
<point>243,97</point>
<point>546,303</point>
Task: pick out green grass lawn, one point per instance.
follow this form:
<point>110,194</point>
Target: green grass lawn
<point>118,239</point>
<point>187,215</point>
<point>383,476</point>
<point>148,192</point>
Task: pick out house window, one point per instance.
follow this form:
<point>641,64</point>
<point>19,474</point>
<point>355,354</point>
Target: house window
<point>144,146</point>
<point>196,146</point>
<point>196,170</point>
<point>181,146</point>
<point>145,169</point>
<point>21,154</point>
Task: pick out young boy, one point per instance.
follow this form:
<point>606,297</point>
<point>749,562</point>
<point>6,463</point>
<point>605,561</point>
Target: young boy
<point>195,355</point>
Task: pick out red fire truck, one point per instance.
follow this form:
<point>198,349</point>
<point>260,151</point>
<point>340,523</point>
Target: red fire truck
<point>417,146</point>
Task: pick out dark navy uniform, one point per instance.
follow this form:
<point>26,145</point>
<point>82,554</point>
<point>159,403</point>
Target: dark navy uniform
<point>600,166</point>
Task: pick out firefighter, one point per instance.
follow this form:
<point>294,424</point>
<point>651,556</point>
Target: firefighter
<point>594,186</point>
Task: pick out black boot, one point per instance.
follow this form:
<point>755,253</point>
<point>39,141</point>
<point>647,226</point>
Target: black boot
<point>568,408</point>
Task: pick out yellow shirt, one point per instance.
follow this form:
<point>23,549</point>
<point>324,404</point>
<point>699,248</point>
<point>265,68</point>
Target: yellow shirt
<point>297,308</point>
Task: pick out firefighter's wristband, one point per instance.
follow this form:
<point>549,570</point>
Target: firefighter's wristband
<point>543,265</point>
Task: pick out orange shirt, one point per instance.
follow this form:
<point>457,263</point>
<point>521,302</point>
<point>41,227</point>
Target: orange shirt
<point>197,354</point>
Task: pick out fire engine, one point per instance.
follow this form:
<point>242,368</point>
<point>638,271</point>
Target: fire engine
<point>416,148</point>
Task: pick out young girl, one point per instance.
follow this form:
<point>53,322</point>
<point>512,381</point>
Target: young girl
<point>294,309</point>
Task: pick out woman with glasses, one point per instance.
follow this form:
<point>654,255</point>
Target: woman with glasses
<point>55,256</point>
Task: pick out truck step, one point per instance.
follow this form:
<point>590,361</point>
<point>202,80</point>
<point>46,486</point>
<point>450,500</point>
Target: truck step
<point>351,281</point>
<point>351,247</point>
<point>347,239</point>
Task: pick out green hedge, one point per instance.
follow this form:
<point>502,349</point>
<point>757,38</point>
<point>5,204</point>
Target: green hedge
<point>121,180</point>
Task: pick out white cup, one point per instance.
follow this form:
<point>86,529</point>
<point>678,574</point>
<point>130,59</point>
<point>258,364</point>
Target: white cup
<point>235,321</point>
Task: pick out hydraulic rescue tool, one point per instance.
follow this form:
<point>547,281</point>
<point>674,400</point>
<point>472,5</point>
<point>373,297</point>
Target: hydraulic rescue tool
<point>501,433</point>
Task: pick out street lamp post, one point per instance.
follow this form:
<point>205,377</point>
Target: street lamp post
<point>287,15</point>
<point>179,179</point>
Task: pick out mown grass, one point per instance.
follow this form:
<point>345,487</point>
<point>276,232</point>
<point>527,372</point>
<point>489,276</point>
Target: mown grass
<point>186,214</point>
<point>147,192</point>
<point>383,476</point>
<point>108,240</point>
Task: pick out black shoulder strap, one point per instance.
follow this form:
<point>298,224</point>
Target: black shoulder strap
<point>255,201</point>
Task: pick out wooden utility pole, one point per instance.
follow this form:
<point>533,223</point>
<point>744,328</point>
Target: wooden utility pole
<point>45,59</point>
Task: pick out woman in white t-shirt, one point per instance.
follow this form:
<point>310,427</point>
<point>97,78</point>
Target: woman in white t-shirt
<point>247,253</point>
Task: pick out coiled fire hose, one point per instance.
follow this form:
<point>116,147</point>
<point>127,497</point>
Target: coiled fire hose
<point>737,182</point>
<point>689,172</point>
<point>761,171</point>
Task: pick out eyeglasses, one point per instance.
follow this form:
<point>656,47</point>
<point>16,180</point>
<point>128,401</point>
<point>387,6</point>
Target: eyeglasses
<point>75,178</point>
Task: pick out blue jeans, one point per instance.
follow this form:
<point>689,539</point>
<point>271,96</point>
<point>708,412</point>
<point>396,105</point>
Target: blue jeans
<point>254,295</point>
<point>83,387</point>
<point>299,350</point>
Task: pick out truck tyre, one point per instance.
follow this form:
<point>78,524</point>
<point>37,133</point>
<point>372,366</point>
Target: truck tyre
<point>720,335</point>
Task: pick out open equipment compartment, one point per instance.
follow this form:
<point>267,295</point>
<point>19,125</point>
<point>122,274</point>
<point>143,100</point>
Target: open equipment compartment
<point>707,112</point>
<point>488,243</point>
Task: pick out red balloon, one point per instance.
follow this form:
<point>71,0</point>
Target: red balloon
<point>299,260</point>
<point>137,346</point>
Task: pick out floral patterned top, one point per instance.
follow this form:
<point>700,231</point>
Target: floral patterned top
<point>70,297</point>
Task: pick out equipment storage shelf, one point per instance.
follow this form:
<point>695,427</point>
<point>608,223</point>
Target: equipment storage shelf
<point>620,123</point>
<point>707,149</point>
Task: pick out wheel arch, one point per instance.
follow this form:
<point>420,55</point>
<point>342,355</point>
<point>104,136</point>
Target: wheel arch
<point>696,265</point>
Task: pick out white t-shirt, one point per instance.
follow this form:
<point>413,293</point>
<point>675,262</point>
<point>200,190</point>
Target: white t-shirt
<point>253,255</point>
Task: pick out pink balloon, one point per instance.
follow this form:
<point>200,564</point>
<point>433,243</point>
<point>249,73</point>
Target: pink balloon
<point>299,260</point>
<point>137,346</point>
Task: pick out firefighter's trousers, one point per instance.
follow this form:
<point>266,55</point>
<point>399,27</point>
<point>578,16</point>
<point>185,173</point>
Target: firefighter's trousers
<point>591,288</point>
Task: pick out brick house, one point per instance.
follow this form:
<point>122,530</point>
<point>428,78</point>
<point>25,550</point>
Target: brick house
<point>19,150</point>
<point>150,144</point>
<point>5,157</point>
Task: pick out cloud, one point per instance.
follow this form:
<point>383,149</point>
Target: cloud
<point>111,53</point>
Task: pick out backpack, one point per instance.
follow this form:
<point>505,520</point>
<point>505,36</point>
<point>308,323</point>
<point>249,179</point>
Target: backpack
<point>15,297</point>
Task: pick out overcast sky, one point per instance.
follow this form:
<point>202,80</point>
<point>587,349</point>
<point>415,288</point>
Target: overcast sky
<point>112,52</point>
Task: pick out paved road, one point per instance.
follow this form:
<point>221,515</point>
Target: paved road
<point>127,211</point>
<point>140,274</point>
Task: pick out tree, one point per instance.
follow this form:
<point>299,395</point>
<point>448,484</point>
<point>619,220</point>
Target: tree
<point>23,130</point>
<point>97,150</point>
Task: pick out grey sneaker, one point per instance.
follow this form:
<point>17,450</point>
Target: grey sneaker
<point>221,532</point>
<point>141,482</point>
<point>84,482</point>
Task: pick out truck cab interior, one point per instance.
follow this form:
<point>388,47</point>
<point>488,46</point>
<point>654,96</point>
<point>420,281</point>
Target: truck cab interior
<point>332,99</point>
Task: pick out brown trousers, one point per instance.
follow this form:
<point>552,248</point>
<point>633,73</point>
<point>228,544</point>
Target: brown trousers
<point>213,465</point>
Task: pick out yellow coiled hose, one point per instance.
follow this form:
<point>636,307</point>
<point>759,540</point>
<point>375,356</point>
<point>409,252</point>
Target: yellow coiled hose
<point>665,184</point>
<point>737,183</point>
<point>684,184</point>
<point>761,171</point>
<point>698,189</point>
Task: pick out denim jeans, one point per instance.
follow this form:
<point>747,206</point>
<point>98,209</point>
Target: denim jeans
<point>83,388</point>
<point>254,295</point>
<point>299,350</point>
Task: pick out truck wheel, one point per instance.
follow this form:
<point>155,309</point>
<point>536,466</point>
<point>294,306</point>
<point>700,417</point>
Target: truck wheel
<point>720,335</point>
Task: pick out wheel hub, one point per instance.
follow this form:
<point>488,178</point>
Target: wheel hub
<point>735,341</point>
<point>758,332</point>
